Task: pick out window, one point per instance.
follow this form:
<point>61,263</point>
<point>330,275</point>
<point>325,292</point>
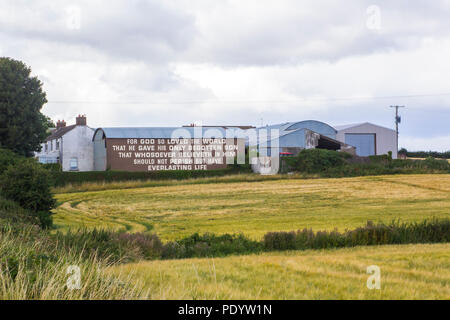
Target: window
<point>51,145</point>
<point>73,164</point>
<point>57,144</point>
<point>46,147</point>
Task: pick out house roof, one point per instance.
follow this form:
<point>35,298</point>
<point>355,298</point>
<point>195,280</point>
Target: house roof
<point>58,133</point>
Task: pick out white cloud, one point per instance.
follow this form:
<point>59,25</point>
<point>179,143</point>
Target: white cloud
<point>172,63</point>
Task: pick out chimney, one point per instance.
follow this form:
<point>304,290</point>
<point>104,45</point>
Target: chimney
<point>81,120</point>
<point>60,124</point>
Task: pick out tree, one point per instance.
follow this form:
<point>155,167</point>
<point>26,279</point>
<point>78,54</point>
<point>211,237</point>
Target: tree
<point>29,184</point>
<point>22,125</point>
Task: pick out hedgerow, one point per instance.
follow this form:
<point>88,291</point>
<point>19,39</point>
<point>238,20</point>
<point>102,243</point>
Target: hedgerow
<point>62,178</point>
<point>333,164</point>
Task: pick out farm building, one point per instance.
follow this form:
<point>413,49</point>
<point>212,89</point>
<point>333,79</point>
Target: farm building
<point>71,146</point>
<point>164,148</point>
<point>295,136</point>
<point>368,139</point>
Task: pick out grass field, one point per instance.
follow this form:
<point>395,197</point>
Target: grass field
<point>176,210</point>
<point>407,272</point>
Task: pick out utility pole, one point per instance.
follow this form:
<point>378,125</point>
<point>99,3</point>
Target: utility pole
<point>398,120</point>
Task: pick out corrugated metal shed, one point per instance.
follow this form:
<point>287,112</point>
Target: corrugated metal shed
<point>368,138</point>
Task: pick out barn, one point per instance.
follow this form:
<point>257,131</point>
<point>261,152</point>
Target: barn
<point>368,138</point>
<point>165,148</point>
<point>291,137</point>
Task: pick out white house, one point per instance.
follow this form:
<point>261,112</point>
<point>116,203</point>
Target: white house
<point>70,145</point>
<point>368,138</point>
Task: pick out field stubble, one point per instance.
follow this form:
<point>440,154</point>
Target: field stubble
<point>254,208</point>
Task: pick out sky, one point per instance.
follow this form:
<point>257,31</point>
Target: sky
<point>227,62</point>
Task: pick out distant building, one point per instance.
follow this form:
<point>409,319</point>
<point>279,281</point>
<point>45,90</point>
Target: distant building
<point>164,148</point>
<point>295,136</point>
<point>368,139</point>
<point>71,146</point>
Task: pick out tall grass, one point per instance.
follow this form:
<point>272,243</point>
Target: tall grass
<point>33,267</point>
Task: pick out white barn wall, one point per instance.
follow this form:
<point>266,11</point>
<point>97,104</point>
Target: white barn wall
<point>386,139</point>
<point>77,143</point>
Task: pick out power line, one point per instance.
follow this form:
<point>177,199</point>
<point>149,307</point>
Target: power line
<point>248,101</point>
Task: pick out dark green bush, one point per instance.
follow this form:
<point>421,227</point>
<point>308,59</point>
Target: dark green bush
<point>432,163</point>
<point>55,167</point>
<point>433,231</point>
<point>8,158</point>
<point>316,160</point>
<point>13,213</point>
<point>208,245</point>
<point>332,164</point>
<point>28,184</point>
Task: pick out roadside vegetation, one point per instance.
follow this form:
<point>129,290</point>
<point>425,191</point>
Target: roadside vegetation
<point>36,264</point>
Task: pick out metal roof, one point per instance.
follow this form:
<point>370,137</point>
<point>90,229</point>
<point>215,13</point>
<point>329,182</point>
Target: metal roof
<point>346,126</point>
<point>166,132</point>
<point>354,125</point>
<point>290,126</point>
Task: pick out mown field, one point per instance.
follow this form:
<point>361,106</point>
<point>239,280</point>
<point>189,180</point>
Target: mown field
<point>407,272</point>
<point>177,210</point>
<point>254,205</point>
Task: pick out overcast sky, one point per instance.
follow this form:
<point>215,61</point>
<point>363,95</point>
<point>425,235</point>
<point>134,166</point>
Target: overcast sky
<point>243,62</point>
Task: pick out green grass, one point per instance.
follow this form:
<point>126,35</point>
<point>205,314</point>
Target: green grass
<point>407,272</point>
<point>229,205</point>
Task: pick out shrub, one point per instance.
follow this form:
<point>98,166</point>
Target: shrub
<point>432,163</point>
<point>55,167</point>
<point>316,160</point>
<point>29,185</point>
<point>11,212</point>
<point>149,245</point>
<point>208,245</point>
<point>433,231</point>
<point>7,158</point>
